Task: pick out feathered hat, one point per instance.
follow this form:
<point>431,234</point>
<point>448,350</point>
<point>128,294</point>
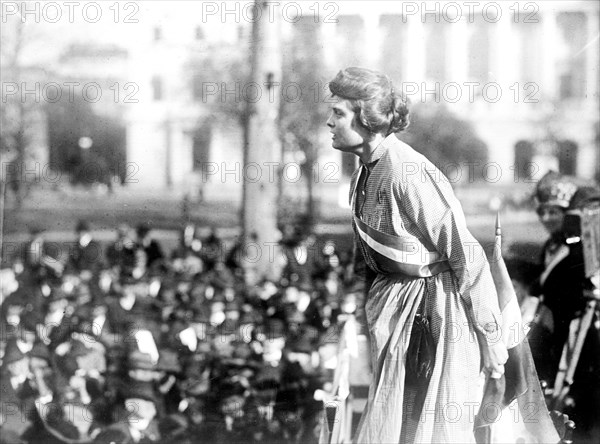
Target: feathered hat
<point>555,189</point>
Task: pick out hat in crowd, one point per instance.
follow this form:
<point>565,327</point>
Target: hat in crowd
<point>138,360</point>
<point>173,426</point>
<point>294,316</point>
<point>331,336</point>
<point>168,361</point>
<point>221,281</point>
<point>249,317</point>
<point>203,347</point>
<point>78,349</point>
<point>82,225</point>
<point>12,353</point>
<point>357,287</point>
<point>304,342</point>
<point>305,285</point>
<point>29,321</point>
<point>127,277</point>
<point>241,357</point>
<point>241,350</point>
<point>585,196</point>
<point>555,189</point>
<point>139,390</point>
<point>227,328</point>
<point>142,229</point>
<point>232,306</point>
<point>229,388</point>
<point>57,294</point>
<point>267,377</point>
<point>40,351</point>
<point>111,436</point>
<point>275,328</point>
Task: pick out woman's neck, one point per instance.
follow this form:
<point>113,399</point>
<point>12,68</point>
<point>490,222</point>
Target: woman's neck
<point>369,147</point>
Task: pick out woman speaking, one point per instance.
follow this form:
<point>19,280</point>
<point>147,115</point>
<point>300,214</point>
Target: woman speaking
<point>432,309</point>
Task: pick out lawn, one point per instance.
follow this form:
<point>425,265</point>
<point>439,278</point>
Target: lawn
<point>57,213</point>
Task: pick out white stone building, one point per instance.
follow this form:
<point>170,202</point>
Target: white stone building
<point>525,74</point>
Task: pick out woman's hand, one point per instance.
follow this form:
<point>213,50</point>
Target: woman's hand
<point>495,356</point>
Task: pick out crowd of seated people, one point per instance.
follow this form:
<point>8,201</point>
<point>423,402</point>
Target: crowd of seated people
<point>125,342</point>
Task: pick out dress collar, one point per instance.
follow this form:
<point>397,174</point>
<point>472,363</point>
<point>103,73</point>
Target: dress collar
<point>379,151</point>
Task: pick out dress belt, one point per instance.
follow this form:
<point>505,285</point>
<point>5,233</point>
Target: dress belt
<point>400,255</point>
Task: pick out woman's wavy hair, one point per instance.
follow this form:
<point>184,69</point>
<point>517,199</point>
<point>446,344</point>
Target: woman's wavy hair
<point>378,106</point>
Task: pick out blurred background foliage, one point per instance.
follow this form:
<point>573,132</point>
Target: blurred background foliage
<point>445,138</point>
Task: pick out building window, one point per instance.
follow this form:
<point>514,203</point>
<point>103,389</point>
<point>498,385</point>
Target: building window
<point>393,50</point>
<point>524,167</point>
<point>350,31</point>
<point>201,140</point>
<point>199,33</point>
<point>567,157</point>
<point>157,34</point>
<point>571,60</point>
<point>529,35</point>
<point>157,88</point>
<point>479,52</point>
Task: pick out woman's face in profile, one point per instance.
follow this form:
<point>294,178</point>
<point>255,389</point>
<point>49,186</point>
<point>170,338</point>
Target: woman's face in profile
<point>552,217</point>
<point>346,136</point>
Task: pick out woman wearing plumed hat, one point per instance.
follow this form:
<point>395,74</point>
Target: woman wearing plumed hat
<point>559,285</point>
<point>562,287</point>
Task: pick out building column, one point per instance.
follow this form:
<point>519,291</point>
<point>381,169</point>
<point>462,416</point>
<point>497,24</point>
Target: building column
<point>458,63</point>
<point>592,60</point>
<point>551,40</point>
<point>503,44</point>
<point>588,156</point>
<point>372,39</point>
<point>500,113</point>
<point>415,50</point>
<point>458,58</point>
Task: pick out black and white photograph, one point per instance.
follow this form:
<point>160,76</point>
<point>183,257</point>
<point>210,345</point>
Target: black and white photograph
<point>299,222</point>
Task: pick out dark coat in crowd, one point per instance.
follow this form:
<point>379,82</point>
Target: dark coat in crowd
<point>561,285</point>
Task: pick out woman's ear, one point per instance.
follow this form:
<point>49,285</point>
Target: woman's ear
<point>360,128</point>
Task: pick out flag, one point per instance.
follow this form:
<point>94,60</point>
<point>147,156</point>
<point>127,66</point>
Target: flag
<point>337,424</point>
<point>513,408</point>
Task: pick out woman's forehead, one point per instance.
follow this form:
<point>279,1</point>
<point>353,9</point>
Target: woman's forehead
<point>341,104</point>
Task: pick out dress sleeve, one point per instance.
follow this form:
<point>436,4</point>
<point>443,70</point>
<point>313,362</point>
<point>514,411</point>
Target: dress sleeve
<point>431,205</point>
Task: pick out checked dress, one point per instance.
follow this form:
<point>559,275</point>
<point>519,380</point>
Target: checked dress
<point>412,233</point>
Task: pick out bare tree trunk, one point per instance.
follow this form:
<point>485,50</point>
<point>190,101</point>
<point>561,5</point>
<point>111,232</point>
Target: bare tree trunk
<point>20,145</point>
<point>311,210</point>
<point>263,153</point>
<point>2,203</point>
<point>20,137</point>
<point>245,145</point>
<point>168,154</point>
